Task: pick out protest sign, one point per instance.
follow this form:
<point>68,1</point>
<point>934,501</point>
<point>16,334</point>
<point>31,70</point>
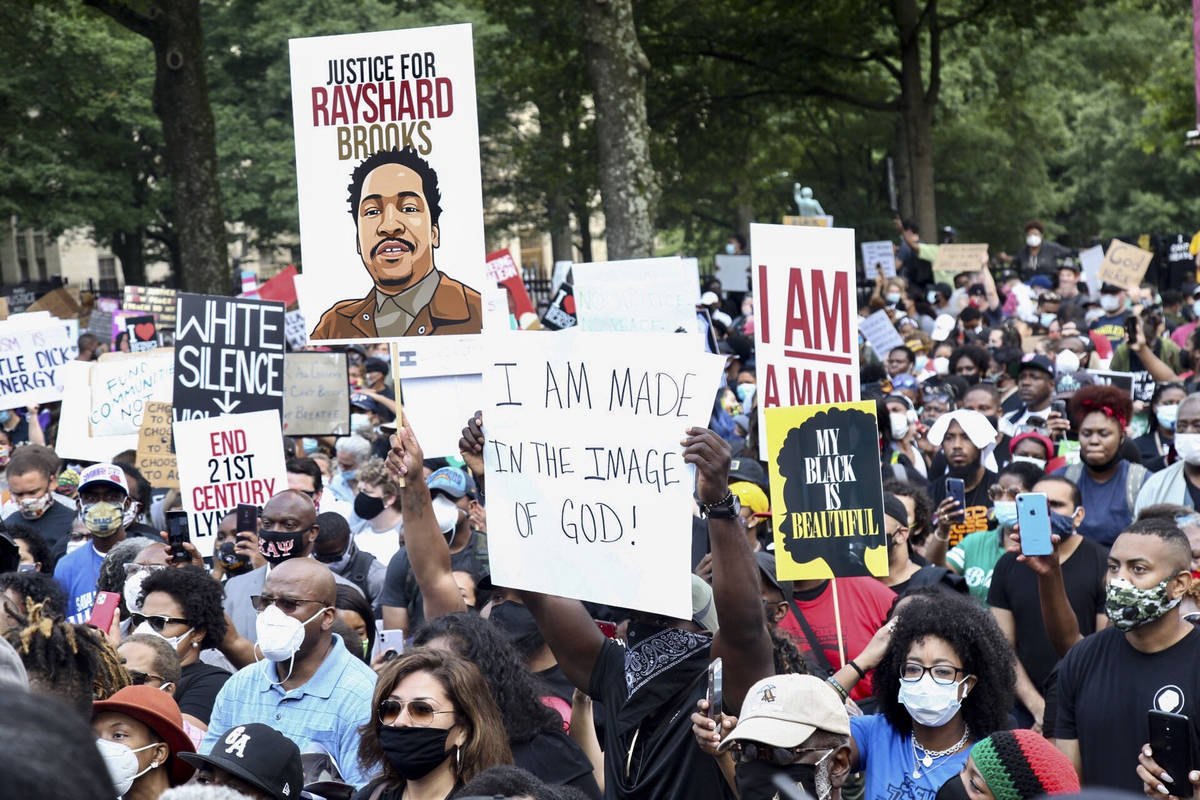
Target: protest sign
<point>881,333</point>
<point>155,300</point>
<point>878,257</point>
<point>392,114</point>
<point>955,258</point>
<point>100,325</point>
<point>826,491</point>
<point>585,474</point>
<point>639,295</point>
<point>1091,259</point>
<point>75,437</point>
<point>561,313</point>
<point>733,272</point>
<point>228,356</point>
<point>561,274</point>
<point>1139,385</point>
<point>154,457</point>
<point>1124,264</point>
<point>143,333</point>
<point>109,304</point>
<point>806,321</point>
<point>280,288</point>
<point>32,351</point>
<point>437,406</point>
<point>20,297</point>
<point>294,330</point>
<point>224,461</point>
<point>316,400</point>
<point>502,270</point>
<point>121,386</point>
<point>60,302</point>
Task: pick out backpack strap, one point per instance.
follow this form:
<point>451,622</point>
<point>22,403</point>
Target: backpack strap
<point>819,659</point>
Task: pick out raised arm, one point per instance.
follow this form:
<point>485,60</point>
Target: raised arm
<point>1062,626</point>
<point>428,553</point>
<point>742,642</point>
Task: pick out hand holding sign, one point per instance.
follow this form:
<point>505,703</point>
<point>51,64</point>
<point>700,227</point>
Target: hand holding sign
<point>405,457</point>
<point>710,454</point>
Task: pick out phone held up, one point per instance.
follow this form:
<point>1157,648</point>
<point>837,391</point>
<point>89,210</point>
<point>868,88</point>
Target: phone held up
<point>177,534</point>
<point>715,696</point>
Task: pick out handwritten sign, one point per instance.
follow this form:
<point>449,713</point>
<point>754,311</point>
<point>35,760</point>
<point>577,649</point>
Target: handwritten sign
<point>1091,259</point>
<point>121,386</point>
<point>100,325</point>
<point>955,258</point>
<point>224,461</point>
<point>881,333</point>
<point>644,294</point>
<point>316,400</point>
<point>561,313</point>
<point>585,473</point>
<point>294,329</point>
<point>878,257</point>
<point>156,300</point>
<point>1124,264</point>
<point>228,356</point>
<point>31,353</point>
<point>154,457</point>
<point>806,331</point>
<point>826,491</point>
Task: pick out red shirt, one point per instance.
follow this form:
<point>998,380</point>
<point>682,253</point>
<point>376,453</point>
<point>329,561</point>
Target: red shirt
<point>864,604</point>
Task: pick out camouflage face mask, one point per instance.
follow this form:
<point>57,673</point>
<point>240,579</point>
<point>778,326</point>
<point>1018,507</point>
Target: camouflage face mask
<point>1129,607</point>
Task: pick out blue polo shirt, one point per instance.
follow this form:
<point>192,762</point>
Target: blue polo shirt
<point>326,710</point>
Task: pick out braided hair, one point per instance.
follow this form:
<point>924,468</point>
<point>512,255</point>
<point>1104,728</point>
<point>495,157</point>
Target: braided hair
<point>788,659</point>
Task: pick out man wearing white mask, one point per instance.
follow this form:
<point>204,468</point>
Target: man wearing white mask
<point>101,504</point>
<point>308,687</point>
<point>449,493</point>
<point>1180,482</point>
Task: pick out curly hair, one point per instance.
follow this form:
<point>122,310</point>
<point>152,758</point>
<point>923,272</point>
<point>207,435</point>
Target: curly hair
<point>406,158</point>
<point>374,472</point>
<point>788,659</point>
<point>1089,399</point>
<point>34,543</point>
<point>200,597</point>
<point>517,691</point>
<point>35,587</point>
<point>974,636</point>
<point>922,521</point>
<point>112,568</point>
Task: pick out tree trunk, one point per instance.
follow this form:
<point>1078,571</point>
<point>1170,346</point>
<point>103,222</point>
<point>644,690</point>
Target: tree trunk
<point>917,104</point>
<point>129,248</point>
<point>583,219</point>
<point>561,245</point>
<point>181,103</point>
<point>629,185</point>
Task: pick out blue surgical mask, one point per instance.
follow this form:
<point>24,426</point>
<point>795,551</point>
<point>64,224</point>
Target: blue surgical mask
<point>5,415</point>
<point>349,474</point>
<point>310,446</point>
<point>1061,524</point>
<point>729,248</point>
<point>1166,416</point>
<point>1006,512</point>
<point>893,298</point>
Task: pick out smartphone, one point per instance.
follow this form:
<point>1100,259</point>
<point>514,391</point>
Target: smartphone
<point>609,629</point>
<point>177,534</point>
<point>1131,326</point>
<point>1060,406</point>
<point>1171,743</point>
<point>390,639</point>
<point>105,607</point>
<point>1033,516</point>
<point>247,517</point>
<point>715,697</point>
<point>956,489</point>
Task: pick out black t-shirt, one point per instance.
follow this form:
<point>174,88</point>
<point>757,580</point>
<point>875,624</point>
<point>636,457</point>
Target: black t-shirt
<point>197,689</point>
<point>1106,688</point>
<point>557,760</point>
<point>975,515</point>
<point>54,525</point>
<point>556,680</point>
<point>1015,588</point>
<point>1193,491</point>
<point>400,588</point>
<point>667,763</point>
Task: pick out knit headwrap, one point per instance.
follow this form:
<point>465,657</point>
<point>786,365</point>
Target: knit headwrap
<point>1020,765</point>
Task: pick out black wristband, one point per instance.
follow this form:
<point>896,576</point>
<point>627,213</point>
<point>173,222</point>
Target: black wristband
<point>862,676</point>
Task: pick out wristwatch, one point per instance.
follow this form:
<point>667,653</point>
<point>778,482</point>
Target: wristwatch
<point>728,507</point>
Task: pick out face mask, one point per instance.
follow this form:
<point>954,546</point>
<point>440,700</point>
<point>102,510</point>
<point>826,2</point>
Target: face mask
<point>930,703</point>
<point>1061,524</point>
<point>413,752</point>
<point>133,589</point>
<point>367,507</point>
<point>336,562</point>
<point>1066,361</point>
<point>892,298</point>
<point>122,763</point>
<point>102,519</point>
<point>227,554</point>
<point>277,547</point>
<point>130,515</point>
<point>1187,445</point>
<point>1033,240</point>
<point>518,623</point>
<point>1129,607</point>
<point>941,365</point>
<point>747,308</point>
<point>729,249</point>
<point>5,416</point>
<point>1166,416</point>
<point>174,641</point>
<point>932,297</point>
<point>359,421</point>
<point>1040,463</point>
<point>447,513</point>
<point>1110,302</point>
<point>755,779</point>
<point>348,474</point>
<point>310,446</point>
<point>75,544</point>
<point>280,636</point>
<point>899,425</point>
<point>1006,512</point>
<point>921,362</point>
<point>1196,308</point>
<point>1046,318</point>
<point>34,507</point>
<point>26,567</point>
<point>745,392</point>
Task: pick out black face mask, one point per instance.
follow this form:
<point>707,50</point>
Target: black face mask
<point>755,779</point>
<point>233,563</point>
<point>413,752</point>
<point>367,507</point>
<point>518,624</point>
<point>277,547</point>
<point>1107,464</point>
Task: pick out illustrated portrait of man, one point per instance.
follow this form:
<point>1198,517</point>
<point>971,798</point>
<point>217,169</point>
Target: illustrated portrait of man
<point>396,205</point>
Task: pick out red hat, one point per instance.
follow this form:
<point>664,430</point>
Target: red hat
<point>156,710</point>
<point>1021,765</point>
<point>1041,439</point>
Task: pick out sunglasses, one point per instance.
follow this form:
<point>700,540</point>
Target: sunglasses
<point>287,605</point>
<point>142,678</point>
<point>420,712</point>
<point>157,621</point>
<point>746,752</point>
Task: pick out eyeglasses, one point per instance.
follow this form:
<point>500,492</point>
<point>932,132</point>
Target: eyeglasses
<point>287,605</point>
<point>157,621</point>
<point>942,674</point>
<point>420,712</point>
<point>745,752</point>
<point>142,678</point>
<point>997,492</point>
<point>132,568</point>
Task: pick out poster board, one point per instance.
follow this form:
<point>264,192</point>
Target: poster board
<point>438,406</point>
<point>733,271</point>
<point>638,295</point>
<point>820,221</point>
<point>878,257</point>
<point>158,301</point>
<point>826,491</point>
<point>1091,259</point>
<point>502,270</point>
<point>316,400</point>
<point>806,317</point>
<point>121,384</point>
<point>294,329</point>
<point>561,313</point>
<point>405,97</point>
<point>953,259</point>
<point>143,333</point>
<point>881,334</point>
<point>1124,265</point>
<point>588,493</point>
<point>59,302</point>
<point>155,460</point>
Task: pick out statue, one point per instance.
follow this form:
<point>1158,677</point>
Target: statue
<point>806,206</point>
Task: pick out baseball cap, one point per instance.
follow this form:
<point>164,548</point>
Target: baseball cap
<point>103,473</point>
<point>375,364</point>
<point>1033,361</point>
<point>784,710</point>
<point>365,402</point>
<point>259,755</point>
<point>942,327</point>
<point>451,480</point>
<point>158,712</point>
<point>751,496</point>
<point>1111,288</point>
<point>1040,281</point>
<point>747,469</point>
<point>704,610</point>
<point>709,299</point>
<point>766,565</point>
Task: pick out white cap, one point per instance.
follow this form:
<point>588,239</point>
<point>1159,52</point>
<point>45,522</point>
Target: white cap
<point>709,299</point>
<point>784,710</point>
<point>942,327</point>
<point>104,473</point>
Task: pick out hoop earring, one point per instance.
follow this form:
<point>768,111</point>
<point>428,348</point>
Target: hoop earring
<point>458,760</point>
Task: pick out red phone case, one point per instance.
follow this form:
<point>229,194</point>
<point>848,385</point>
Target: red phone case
<point>103,609</point>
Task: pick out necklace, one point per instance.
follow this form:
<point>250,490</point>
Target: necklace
<point>928,759</point>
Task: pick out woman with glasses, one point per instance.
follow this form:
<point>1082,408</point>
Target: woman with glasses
<point>945,681</point>
<point>435,728</point>
<point>183,606</point>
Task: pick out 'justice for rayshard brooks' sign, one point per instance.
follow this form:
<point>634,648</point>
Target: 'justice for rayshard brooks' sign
<point>588,493</point>
<point>228,356</point>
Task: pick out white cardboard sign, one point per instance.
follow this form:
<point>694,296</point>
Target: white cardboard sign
<point>32,353</point>
<point>639,295</point>
<point>121,387</point>
<point>878,256</point>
